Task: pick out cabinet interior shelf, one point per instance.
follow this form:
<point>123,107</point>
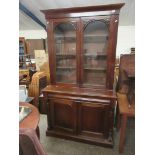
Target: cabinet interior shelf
<point>95,55</point>
<point>66,68</point>
<point>66,55</point>
<point>87,39</point>
<point>97,69</point>
<point>86,36</point>
<point>27,55</point>
<point>87,55</point>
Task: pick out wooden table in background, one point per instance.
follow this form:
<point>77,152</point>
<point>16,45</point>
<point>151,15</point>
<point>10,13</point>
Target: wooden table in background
<point>32,120</point>
<point>123,113</point>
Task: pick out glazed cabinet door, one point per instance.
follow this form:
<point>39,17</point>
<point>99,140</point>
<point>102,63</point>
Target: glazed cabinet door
<point>93,119</point>
<point>65,49</point>
<point>62,115</point>
<point>95,36</point>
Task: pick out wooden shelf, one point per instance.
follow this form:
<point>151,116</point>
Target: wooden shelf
<point>66,68</point>
<point>87,39</point>
<point>95,55</point>
<point>66,55</point>
<point>96,85</point>
<point>97,69</point>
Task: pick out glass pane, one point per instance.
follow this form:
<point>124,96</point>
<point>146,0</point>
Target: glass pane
<point>65,41</point>
<point>95,52</point>
<point>24,112</point>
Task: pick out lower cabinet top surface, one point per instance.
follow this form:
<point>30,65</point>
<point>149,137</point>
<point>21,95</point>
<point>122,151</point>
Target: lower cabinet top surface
<point>76,91</point>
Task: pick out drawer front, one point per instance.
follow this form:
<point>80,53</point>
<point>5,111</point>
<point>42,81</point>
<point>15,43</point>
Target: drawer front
<point>62,114</point>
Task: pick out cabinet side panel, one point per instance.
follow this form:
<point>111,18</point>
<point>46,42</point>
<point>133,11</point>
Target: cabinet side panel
<point>51,53</point>
<point>112,50</point>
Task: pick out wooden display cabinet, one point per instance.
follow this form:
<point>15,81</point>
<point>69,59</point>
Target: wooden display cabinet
<point>82,48</point>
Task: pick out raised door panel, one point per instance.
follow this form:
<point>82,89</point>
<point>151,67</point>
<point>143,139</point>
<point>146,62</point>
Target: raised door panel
<point>92,119</point>
<point>63,115</point>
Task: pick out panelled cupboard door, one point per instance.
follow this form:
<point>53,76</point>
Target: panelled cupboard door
<point>95,40</point>
<point>62,115</point>
<point>92,119</point>
<point>66,39</point>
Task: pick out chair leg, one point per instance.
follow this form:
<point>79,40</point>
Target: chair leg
<point>122,133</point>
<point>118,118</point>
<point>118,122</point>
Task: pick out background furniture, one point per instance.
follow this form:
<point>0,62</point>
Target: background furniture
<point>39,81</point>
<point>126,78</point>
<point>24,81</point>
<point>22,46</point>
<point>22,76</point>
<point>123,113</point>
<point>29,143</point>
<point>22,51</point>
<point>34,44</point>
<point>81,47</point>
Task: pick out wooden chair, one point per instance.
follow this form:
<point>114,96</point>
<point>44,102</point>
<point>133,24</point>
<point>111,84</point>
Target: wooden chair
<point>39,81</point>
<point>123,113</point>
<point>125,94</point>
<point>126,66</point>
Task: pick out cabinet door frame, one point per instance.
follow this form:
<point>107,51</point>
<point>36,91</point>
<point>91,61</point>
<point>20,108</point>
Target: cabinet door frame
<point>105,108</point>
<point>51,114</point>
<point>111,49</point>
<point>113,29</point>
<point>89,20</point>
<point>51,24</point>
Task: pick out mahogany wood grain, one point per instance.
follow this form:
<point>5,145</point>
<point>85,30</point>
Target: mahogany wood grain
<point>111,48</point>
<point>81,114</point>
<point>75,111</point>
<point>32,120</point>
<point>82,92</point>
<point>50,37</point>
<point>77,11</point>
<point>63,114</point>
<point>90,117</point>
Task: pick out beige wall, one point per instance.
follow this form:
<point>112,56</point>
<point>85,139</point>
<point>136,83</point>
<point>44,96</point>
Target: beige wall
<point>125,39</point>
<point>33,34</point>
